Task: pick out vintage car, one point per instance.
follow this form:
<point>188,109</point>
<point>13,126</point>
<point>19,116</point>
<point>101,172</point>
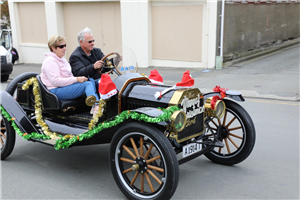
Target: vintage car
<point>151,128</point>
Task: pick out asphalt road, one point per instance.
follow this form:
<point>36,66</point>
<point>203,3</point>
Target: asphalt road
<point>36,171</point>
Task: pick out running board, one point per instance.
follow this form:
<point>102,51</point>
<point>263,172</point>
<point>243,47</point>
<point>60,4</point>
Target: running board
<point>50,142</point>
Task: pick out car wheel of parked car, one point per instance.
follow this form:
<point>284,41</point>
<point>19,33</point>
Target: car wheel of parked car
<point>143,162</point>
<point>4,78</point>
<point>237,134</point>
<point>7,138</point>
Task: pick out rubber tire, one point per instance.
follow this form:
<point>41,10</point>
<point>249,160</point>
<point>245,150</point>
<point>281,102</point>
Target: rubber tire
<point>12,86</point>
<point>172,168</point>
<point>4,78</point>
<point>10,139</point>
<point>248,142</point>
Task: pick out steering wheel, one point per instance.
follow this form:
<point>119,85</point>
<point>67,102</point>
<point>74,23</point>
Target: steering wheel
<point>110,63</point>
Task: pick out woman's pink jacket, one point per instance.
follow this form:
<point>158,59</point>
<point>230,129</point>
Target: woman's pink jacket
<point>56,72</point>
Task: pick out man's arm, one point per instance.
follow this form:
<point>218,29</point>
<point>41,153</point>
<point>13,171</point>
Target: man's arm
<point>79,68</point>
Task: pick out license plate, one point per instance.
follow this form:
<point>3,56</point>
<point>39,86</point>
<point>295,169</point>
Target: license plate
<point>190,149</point>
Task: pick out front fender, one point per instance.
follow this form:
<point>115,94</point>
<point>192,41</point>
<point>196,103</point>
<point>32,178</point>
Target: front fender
<point>16,111</point>
<point>151,112</point>
<point>235,95</point>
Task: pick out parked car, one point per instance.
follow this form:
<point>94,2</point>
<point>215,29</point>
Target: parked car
<point>8,54</point>
<point>151,128</point>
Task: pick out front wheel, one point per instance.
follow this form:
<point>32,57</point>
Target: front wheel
<point>237,132</point>
<point>4,78</point>
<point>143,162</point>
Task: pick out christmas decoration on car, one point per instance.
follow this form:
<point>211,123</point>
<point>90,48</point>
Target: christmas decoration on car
<point>222,92</point>
<point>64,141</point>
<point>186,82</point>
<point>155,77</point>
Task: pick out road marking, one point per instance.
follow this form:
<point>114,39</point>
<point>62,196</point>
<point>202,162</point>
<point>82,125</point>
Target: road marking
<point>292,104</point>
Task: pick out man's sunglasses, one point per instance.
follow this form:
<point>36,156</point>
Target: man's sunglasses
<point>62,46</point>
<point>91,41</point>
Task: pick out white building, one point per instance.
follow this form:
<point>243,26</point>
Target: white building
<point>161,33</point>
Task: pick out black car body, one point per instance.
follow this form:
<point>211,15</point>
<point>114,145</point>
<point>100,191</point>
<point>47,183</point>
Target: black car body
<point>149,137</point>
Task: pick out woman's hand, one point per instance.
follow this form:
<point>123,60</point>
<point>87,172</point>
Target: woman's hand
<point>81,79</point>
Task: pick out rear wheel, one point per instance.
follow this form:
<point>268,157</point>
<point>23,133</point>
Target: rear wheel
<point>237,132</point>
<point>143,162</point>
<point>7,138</point>
<point>12,86</point>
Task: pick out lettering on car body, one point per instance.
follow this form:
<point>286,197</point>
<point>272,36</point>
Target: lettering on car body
<point>191,149</point>
<point>127,68</point>
<point>191,107</point>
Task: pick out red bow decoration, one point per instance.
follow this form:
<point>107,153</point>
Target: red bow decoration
<point>222,91</point>
<point>214,100</point>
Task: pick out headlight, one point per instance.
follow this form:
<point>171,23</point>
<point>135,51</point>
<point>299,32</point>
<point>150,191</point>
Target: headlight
<point>8,60</point>
<point>218,111</point>
<point>178,119</point>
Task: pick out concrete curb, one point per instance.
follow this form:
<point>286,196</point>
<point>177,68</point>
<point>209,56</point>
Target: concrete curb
<point>263,53</point>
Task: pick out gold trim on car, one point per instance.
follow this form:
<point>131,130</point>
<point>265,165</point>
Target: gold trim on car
<point>178,120</point>
<point>175,136</point>
<point>124,87</point>
<point>178,96</point>
<point>219,108</point>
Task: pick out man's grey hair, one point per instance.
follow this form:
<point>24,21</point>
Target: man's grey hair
<point>80,36</point>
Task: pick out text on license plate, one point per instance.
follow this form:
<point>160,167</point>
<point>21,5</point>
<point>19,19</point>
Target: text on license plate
<point>190,149</point>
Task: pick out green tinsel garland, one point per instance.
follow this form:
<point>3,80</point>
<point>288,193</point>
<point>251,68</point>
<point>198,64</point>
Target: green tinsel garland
<point>165,116</point>
<point>64,143</point>
<point>25,136</point>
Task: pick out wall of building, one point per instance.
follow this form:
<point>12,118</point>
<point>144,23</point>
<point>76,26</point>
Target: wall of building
<point>161,33</point>
<point>105,23</point>
<point>250,26</point>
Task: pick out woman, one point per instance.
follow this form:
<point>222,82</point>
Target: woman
<point>58,78</point>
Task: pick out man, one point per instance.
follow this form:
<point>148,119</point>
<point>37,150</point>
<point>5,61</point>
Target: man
<point>85,59</point>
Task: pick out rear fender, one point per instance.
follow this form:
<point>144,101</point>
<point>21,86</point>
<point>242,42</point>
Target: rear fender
<point>235,95</point>
<point>16,111</point>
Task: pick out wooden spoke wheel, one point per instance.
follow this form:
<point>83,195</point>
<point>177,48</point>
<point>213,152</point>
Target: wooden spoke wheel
<point>7,138</point>
<point>237,132</point>
<point>143,162</point>
<point>8,135</point>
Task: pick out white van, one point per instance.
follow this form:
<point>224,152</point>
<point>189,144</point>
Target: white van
<point>8,54</point>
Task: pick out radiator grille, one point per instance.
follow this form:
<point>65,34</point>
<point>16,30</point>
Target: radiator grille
<point>194,125</point>
<point>3,59</point>
<point>134,105</point>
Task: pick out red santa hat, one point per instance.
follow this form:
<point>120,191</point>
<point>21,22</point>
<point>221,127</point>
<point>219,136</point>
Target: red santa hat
<point>186,82</point>
<point>155,77</point>
<point>107,88</point>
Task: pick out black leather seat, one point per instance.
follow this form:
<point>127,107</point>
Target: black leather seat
<point>51,102</point>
